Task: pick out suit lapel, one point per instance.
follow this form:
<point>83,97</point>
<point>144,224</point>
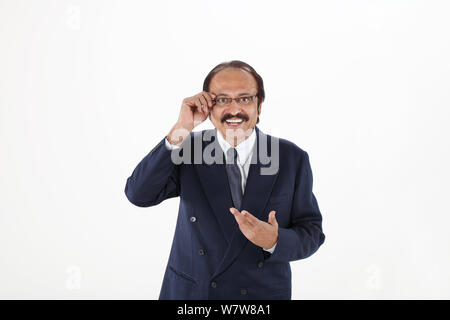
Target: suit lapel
<point>214,181</point>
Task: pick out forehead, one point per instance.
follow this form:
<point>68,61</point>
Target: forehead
<point>233,81</point>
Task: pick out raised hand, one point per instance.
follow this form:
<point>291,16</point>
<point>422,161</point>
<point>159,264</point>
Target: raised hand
<point>194,110</point>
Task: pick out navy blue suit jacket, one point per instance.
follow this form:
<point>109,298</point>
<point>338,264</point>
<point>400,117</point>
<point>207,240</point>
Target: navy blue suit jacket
<point>210,258</point>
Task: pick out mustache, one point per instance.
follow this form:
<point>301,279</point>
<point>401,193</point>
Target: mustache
<point>238,115</point>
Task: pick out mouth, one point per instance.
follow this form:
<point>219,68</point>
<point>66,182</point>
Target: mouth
<point>234,122</point>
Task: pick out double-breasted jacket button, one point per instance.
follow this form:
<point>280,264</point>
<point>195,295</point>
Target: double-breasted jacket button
<point>193,219</point>
<point>243,291</point>
<point>201,252</point>
<point>260,264</point>
<point>213,284</point>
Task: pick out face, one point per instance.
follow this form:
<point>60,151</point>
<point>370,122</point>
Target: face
<point>234,121</point>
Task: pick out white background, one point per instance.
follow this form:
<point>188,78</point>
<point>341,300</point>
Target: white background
<point>88,88</point>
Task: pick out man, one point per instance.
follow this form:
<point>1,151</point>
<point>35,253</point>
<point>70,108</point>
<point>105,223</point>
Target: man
<point>246,203</point>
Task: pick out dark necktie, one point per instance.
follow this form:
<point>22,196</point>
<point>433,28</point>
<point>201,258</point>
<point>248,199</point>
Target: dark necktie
<point>234,177</point>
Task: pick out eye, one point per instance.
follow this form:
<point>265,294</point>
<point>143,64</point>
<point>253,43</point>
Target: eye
<point>222,100</point>
<point>245,99</point>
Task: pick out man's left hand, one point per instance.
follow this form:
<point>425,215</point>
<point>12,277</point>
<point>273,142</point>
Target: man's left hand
<point>262,234</point>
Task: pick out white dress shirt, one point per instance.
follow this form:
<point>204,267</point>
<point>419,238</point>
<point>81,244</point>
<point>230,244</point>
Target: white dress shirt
<point>244,151</point>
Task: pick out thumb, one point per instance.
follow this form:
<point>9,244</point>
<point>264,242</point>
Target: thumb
<point>272,220</point>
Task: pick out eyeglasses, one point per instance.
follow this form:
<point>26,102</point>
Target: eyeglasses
<point>225,101</point>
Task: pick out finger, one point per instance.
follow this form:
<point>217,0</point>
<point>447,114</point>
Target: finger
<point>200,107</point>
<point>234,210</point>
<point>212,96</point>
<point>251,218</point>
<point>239,217</point>
<point>204,103</point>
<point>272,219</point>
<point>208,99</point>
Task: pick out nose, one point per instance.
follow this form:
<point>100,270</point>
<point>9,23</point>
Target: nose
<point>234,108</point>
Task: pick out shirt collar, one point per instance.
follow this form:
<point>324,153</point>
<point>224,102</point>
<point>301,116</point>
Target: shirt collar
<point>244,149</point>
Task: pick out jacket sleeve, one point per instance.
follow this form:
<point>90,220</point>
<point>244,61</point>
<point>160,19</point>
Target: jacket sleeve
<point>155,179</point>
<point>305,235</point>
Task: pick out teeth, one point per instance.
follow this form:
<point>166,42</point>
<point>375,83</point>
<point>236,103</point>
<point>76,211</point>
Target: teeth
<point>234,120</point>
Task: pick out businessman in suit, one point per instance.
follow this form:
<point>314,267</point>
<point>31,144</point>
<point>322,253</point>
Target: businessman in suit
<point>246,203</point>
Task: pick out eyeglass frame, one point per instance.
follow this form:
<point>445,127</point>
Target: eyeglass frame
<point>235,99</point>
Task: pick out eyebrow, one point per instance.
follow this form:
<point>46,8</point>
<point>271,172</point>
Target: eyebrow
<point>239,95</point>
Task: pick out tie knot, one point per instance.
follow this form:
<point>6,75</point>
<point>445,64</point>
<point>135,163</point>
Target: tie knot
<point>232,156</point>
